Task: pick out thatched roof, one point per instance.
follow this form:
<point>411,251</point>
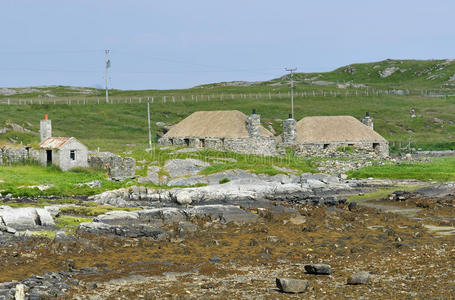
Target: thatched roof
<point>335,129</point>
<point>213,124</point>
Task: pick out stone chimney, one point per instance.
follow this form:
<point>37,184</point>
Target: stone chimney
<point>253,125</point>
<point>289,130</point>
<point>45,130</point>
<point>367,120</point>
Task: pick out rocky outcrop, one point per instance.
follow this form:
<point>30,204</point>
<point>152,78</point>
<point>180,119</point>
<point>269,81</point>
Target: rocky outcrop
<point>307,188</point>
<point>151,222</point>
<point>25,218</point>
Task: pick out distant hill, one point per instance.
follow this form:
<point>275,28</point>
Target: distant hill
<point>388,74</point>
<point>399,74</point>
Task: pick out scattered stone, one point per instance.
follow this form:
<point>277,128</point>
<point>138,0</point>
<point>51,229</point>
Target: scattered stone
<point>359,278</point>
<point>318,269</point>
<point>297,220</point>
<point>188,150</point>
<point>91,184</point>
<point>289,285</point>
<point>214,259</point>
<point>272,239</point>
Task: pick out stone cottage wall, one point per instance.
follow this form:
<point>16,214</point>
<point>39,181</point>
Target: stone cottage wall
<point>258,146</point>
<point>334,149</point>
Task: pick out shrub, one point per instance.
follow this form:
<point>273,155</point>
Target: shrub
<point>224,180</point>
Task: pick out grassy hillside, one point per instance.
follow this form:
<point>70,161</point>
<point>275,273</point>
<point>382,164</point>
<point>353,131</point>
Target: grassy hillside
<point>117,127</point>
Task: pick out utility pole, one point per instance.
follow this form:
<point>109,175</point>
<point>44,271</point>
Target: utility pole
<point>292,70</point>
<point>148,119</point>
<point>108,65</point>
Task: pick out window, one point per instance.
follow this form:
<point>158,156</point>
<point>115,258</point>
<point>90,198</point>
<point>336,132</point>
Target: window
<point>73,154</point>
<point>325,146</point>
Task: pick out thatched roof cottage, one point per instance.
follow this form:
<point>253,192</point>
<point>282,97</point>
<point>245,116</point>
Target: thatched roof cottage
<point>326,134</point>
<point>229,130</point>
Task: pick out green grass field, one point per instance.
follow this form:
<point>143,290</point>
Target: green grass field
<point>118,127</point>
<point>19,179</point>
<point>439,169</point>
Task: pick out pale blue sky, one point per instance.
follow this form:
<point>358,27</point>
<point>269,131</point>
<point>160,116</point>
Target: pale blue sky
<point>179,44</point>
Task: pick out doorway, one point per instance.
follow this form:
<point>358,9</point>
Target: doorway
<point>48,157</point>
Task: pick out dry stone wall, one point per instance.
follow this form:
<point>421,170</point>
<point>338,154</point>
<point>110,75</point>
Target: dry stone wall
<point>18,155</point>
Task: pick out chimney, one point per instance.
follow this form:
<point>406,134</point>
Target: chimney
<point>367,120</point>
<point>289,130</point>
<point>253,124</point>
<point>45,128</point>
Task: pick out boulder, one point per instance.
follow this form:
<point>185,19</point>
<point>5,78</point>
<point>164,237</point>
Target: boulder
<point>318,269</point>
<point>27,217</point>
<point>359,278</point>
<point>44,217</point>
<point>290,285</point>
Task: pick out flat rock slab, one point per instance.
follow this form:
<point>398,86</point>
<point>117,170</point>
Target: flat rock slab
<point>289,285</point>
<point>318,269</point>
<point>184,167</point>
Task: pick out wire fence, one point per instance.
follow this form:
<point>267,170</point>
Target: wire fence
<point>169,98</point>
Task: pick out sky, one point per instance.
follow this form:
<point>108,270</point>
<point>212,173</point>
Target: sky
<point>180,44</point>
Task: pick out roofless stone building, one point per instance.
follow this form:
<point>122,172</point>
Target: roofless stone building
<point>229,130</point>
